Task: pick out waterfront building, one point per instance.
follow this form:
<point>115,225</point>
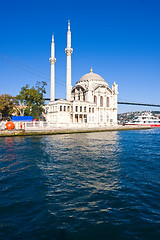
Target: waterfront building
<point>91,101</point>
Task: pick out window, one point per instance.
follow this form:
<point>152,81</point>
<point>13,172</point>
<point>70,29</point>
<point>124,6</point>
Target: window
<point>64,108</point>
<point>61,108</point>
<point>95,99</point>
<point>107,103</point>
<point>76,108</point>
<point>80,108</point>
<point>68,108</point>
<point>101,101</point>
<point>79,97</point>
<point>84,109</point>
<point>92,110</point>
<point>89,109</point>
<point>85,118</point>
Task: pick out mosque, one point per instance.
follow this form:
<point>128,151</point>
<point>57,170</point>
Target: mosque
<point>91,102</point>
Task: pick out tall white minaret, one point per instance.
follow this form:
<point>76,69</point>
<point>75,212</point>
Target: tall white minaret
<point>68,51</point>
<point>52,61</point>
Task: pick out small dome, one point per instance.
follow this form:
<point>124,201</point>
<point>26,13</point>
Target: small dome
<point>91,76</point>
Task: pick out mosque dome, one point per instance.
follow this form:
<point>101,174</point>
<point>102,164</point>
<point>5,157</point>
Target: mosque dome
<point>91,76</point>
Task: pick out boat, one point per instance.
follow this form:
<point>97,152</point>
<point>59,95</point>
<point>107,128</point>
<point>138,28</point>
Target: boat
<point>146,119</point>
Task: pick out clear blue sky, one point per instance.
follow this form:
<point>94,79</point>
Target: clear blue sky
<point>120,39</point>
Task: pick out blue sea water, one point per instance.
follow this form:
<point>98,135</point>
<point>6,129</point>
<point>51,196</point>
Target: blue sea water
<point>81,186</point>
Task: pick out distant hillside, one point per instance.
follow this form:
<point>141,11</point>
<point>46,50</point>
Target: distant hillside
<point>128,116</point>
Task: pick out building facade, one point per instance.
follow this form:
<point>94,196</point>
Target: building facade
<point>91,101</point>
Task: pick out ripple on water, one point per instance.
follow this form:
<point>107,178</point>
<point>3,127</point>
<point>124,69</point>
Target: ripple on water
<point>81,186</point>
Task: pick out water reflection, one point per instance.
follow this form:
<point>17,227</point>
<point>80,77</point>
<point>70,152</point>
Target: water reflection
<point>80,170</point>
<point>13,157</point>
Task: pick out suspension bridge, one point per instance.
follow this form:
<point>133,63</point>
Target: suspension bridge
<point>128,103</point>
<point>139,104</point>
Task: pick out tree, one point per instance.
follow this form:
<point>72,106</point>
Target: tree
<point>8,105</point>
<point>32,100</point>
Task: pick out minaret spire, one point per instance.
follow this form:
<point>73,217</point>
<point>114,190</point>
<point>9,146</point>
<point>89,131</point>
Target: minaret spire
<point>69,25</point>
<point>52,61</point>
<point>52,38</point>
<point>68,51</point>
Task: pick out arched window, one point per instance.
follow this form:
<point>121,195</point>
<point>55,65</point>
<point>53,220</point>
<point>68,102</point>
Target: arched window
<point>83,97</point>
<point>95,99</point>
<point>101,101</point>
<point>107,103</point>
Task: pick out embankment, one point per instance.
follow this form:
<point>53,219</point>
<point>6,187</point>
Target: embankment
<point>11,133</point>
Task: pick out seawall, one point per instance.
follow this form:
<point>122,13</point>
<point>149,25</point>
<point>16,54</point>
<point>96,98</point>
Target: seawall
<point>12,133</point>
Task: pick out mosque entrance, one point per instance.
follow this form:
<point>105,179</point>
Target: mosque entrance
<point>80,118</point>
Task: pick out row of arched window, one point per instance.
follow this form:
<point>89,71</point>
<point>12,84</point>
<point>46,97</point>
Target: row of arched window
<point>78,94</point>
<point>102,101</point>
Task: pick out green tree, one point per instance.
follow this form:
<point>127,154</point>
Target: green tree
<point>8,105</point>
<point>32,99</point>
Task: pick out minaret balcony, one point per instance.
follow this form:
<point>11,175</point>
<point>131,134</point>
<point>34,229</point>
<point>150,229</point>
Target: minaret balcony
<point>52,60</point>
<point>69,51</point>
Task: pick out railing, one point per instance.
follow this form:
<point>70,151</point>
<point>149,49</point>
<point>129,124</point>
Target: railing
<point>31,125</point>
<point>40,126</point>
<point>27,125</point>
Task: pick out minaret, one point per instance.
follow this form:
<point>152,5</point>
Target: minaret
<point>68,51</point>
<point>52,61</point>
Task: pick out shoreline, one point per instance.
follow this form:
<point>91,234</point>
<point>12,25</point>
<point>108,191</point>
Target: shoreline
<point>36,132</point>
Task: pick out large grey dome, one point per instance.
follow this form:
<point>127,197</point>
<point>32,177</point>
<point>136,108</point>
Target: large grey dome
<point>91,76</point>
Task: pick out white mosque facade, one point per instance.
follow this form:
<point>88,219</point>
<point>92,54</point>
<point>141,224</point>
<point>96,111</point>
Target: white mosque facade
<point>91,102</point>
